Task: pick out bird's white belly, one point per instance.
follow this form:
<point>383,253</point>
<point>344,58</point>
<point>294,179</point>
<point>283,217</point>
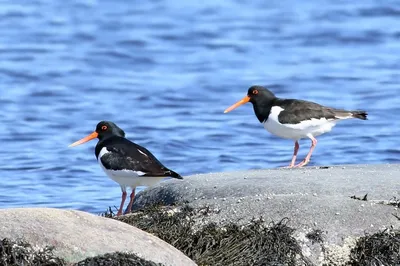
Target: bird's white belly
<point>313,127</point>
<point>129,178</point>
<point>133,180</point>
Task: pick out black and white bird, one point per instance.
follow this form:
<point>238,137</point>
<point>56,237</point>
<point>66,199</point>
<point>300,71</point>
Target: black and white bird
<point>125,162</point>
<point>294,119</point>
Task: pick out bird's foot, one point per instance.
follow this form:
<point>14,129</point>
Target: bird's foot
<point>302,163</point>
<point>119,213</point>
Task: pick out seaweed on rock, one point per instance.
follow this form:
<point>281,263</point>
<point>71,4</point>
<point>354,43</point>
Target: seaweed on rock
<point>15,253</point>
<point>252,244</point>
<point>116,259</point>
<point>382,248</point>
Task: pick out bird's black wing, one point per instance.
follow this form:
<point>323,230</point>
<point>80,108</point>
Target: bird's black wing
<point>126,155</point>
<point>296,111</point>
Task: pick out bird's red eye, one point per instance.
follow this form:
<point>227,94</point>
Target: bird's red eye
<point>255,91</point>
<point>104,128</point>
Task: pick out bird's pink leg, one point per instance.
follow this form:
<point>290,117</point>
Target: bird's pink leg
<point>308,157</point>
<point>123,197</point>
<point>131,201</point>
<point>296,149</point>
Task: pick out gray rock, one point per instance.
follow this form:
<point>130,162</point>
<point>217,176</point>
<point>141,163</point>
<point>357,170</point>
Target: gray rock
<point>312,198</point>
<point>77,235</point>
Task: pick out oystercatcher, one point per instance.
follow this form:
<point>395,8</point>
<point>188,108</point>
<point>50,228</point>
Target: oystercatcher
<point>294,119</point>
<point>125,162</point>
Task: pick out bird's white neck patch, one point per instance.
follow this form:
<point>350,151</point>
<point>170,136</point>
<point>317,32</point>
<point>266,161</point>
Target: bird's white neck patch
<point>102,152</point>
<point>274,113</point>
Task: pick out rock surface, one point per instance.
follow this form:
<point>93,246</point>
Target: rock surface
<point>77,235</point>
<point>315,198</point>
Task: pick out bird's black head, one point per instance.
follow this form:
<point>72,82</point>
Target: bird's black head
<point>103,130</point>
<point>257,95</point>
<point>107,128</point>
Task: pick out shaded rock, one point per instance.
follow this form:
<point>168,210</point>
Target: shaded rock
<point>312,198</point>
<point>77,235</point>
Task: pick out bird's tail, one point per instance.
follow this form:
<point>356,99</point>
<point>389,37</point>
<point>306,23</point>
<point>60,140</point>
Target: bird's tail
<point>359,114</point>
<point>174,174</point>
<point>342,114</point>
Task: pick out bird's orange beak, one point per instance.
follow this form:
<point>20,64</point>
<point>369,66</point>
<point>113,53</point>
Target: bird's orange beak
<point>85,139</point>
<point>246,99</point>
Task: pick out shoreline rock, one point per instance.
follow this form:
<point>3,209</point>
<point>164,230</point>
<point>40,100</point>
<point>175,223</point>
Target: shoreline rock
<point>251,244</point>
<point>328,200</point>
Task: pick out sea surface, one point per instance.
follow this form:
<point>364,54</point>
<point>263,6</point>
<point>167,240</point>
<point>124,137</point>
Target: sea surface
<point>165,71</point>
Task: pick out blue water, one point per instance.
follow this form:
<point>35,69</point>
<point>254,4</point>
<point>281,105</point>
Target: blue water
<point>165,70</point>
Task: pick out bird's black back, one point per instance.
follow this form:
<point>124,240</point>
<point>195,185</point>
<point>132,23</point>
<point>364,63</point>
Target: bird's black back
<point>296,111</point>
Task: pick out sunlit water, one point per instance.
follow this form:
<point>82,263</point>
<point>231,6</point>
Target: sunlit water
<point>164,71</point>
